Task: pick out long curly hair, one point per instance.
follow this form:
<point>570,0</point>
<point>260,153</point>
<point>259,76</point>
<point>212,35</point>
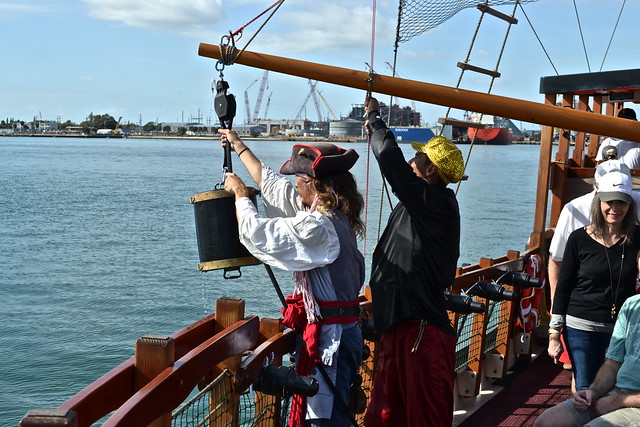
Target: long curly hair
<point>599,226</point>
<point>340,191</point>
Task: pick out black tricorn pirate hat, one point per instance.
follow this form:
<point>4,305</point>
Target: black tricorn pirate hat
<point>317,159</point>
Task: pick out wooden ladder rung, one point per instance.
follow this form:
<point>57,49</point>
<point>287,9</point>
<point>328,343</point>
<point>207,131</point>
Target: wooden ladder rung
<point>486,9</point>
<point>460,123</point>
<point>470,67</point>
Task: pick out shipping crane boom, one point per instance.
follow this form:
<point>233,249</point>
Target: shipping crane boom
<point>313,88</point>
<point>314,95</point>
<point>246,103</point>
<point>115,130</point>
<point>263,85</point>
<point>333,115</point>
<point>266,110</point>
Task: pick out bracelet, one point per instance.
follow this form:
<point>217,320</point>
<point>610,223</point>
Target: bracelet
<point>554,331</point>
<point>242,151</point>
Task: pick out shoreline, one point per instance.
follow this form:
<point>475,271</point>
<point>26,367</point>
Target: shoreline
<point>248,138</point>
<point>189,137</point>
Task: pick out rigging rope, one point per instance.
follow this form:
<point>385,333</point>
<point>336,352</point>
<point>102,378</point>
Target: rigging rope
<point>368,95</point>
<point>493,79</point>
<point>227,53</point>
<point>539,41</point>
<point>612,34</point>
<point>584,46</point>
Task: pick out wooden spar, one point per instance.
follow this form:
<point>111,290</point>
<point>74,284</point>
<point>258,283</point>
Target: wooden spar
<point>526,111</point>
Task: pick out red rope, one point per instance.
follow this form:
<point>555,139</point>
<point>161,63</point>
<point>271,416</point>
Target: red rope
<point>366,191</point>
<point>239,30</point>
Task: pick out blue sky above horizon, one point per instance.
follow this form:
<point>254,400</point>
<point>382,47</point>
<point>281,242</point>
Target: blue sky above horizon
<point>68,58</point>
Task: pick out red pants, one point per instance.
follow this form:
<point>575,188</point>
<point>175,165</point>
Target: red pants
<point>413,389</point>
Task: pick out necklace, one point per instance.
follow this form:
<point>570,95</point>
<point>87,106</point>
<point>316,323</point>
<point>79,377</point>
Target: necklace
<point>614,295</point>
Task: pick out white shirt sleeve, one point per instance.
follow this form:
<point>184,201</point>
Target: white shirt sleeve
<point>574,215</point>
<point>298,243</point>
<point>560,235</point>
<point>630,156</point>
<point>279,195</point>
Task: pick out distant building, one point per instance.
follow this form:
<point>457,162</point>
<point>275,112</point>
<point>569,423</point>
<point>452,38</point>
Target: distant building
<point>284,127</point>
<point>43,126</point>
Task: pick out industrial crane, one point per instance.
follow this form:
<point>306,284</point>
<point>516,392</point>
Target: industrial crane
<point>246,103</point>
<point>263,85</point>
<point>115,130</point>
<point>266,110</point>
<point>312,93</point>
<point>333,115</point>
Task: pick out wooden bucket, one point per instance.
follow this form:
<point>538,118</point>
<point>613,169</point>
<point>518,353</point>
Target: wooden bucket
<point>217,231</point>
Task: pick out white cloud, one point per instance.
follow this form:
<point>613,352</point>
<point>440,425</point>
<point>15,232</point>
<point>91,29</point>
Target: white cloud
<point>10,10</point>
<point>325,26</point>
<point>298,26</point>
<point>189,18</point>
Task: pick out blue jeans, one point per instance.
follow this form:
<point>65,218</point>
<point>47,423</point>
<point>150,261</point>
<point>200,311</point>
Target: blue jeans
<point>587,353</point>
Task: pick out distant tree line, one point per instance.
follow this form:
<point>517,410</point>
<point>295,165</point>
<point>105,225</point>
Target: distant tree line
<point>105,121</point>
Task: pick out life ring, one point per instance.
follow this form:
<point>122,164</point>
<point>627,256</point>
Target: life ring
<point>530,299</point>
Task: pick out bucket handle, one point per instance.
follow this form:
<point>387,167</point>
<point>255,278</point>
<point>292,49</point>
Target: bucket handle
<point>228,271</point>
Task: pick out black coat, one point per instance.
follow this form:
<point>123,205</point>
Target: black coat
<point>416,257</point>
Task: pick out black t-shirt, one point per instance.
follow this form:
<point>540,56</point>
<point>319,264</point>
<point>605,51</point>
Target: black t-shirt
<point>590,280</point>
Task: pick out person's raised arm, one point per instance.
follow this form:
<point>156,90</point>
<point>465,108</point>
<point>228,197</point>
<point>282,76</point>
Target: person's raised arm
<point>246,156</point>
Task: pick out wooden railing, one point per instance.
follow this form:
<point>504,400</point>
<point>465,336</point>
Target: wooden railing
<point>145,389</point>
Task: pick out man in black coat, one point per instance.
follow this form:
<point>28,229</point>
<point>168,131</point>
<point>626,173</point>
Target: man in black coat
<point>413,263</point>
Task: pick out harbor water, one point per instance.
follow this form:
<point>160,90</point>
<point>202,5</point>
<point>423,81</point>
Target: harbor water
<point>98,247</point>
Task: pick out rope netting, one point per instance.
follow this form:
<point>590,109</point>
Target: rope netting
<point>216,405</point>
<point>419,16</point>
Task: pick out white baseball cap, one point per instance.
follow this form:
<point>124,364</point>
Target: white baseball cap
<point>615,186</point>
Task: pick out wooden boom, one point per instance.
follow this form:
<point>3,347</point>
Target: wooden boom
<point>526,111</point>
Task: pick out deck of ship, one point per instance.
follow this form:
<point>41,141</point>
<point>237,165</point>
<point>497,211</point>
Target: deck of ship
<point>518,399</point>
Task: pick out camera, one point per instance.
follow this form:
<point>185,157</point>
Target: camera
<point>462,304</point>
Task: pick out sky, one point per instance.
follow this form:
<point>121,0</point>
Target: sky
<point>65,59</point>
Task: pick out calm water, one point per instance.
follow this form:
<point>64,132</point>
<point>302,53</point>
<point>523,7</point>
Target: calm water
<point>98,247</point>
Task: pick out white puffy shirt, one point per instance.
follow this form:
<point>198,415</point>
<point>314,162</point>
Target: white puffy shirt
<point>289,237</point>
